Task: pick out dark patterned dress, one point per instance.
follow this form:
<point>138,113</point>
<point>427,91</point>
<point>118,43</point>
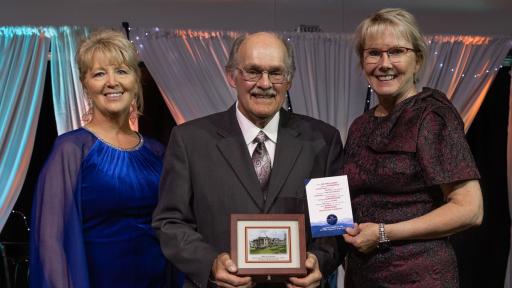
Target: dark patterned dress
<point>395,165</point>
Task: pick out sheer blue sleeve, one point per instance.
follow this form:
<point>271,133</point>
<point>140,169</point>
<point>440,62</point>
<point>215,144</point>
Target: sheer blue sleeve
<point>57,256</point>
<point>155,147</point>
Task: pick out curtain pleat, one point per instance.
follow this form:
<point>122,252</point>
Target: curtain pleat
<point>68,96</point>
<point>23,59</point>
<point>464,67</point>
<point>328,84</point>
<point>188,67</point>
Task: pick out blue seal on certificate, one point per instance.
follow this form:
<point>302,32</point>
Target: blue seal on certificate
<point>332,219</point>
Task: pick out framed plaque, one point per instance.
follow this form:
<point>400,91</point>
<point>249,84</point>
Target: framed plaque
<point>268,247</point>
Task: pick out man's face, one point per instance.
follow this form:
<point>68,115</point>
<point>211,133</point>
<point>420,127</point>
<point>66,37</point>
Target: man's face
<point>260,100</point>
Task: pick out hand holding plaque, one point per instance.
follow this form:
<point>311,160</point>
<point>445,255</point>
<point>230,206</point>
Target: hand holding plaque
<point>313,277</point>
<point>224,272</point>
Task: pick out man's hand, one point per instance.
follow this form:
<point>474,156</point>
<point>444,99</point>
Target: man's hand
<point>223,270</point>
<point>312,279</point>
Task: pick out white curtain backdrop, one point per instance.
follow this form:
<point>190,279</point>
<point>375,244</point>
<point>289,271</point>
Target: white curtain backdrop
<point>464,67</point>
<point>23,54</point>
<point>68,96</point>
<point>328,84</point>
<point>188,66</point>
<point>23,63</point>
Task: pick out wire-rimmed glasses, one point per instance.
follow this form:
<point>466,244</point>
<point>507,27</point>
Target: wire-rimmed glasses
<point>395,54</point>
<point>254,75</point>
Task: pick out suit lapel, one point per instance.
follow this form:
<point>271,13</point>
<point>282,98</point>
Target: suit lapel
<point>288,148</point>
<point>232,147</point>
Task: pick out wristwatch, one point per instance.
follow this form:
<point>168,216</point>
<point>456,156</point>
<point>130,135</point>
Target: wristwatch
<point>384,242</point>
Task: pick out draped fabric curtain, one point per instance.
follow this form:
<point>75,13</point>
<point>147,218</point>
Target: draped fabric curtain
<point>23,63</point>
<point>188,67</point>
<point>464,67</point>
<point>328,84</point>
<point>68,97</point>
<point>23,58</point>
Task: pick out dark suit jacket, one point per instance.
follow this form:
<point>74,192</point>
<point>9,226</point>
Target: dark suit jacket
<point>208,175</point>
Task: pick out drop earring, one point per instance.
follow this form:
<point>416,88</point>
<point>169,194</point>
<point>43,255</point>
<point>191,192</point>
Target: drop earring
<point>87,116</point>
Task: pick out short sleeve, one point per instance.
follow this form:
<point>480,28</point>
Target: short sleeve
<point>442,151</point>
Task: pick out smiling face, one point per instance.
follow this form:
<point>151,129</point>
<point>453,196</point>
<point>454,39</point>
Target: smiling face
<point>259,101</point>
<point>111,86</point>
<point>391,81</point>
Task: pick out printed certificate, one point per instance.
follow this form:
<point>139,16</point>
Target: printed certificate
<point>330,211</point>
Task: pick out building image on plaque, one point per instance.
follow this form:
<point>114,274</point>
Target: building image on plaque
<point>268,244</point>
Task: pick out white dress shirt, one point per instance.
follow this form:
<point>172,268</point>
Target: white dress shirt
<point>249,130</point>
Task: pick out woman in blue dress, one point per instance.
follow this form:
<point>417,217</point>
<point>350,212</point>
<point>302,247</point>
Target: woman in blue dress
<point>95,196</point>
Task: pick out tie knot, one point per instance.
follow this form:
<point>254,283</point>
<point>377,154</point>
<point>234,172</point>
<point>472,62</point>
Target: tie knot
<point>260,138</point>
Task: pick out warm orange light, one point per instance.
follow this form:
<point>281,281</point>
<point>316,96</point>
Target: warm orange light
<point>467,40</point>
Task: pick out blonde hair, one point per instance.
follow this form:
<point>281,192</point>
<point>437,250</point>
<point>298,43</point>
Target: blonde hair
<point>116,46</point>
<point>401,21</point>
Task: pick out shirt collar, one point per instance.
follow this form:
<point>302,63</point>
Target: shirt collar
<point>249,130</point>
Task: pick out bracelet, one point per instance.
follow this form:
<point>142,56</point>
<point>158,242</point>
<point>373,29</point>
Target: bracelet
<point>383,238</point>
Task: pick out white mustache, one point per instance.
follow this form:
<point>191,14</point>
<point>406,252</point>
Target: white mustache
<point>266,92</point>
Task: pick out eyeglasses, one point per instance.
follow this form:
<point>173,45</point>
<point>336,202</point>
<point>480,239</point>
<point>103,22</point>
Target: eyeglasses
<point>395,54</point>
<point>253,75</point>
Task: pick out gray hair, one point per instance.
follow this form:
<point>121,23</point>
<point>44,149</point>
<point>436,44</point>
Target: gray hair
<point>233,54</point>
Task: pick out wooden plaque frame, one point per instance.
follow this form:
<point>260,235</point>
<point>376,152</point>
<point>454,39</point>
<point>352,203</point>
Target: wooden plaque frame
<point>250,239</point>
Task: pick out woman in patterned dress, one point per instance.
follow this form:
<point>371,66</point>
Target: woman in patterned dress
<point>412,177</point>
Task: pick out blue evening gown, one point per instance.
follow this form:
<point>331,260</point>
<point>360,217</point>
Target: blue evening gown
<point>92,215</point>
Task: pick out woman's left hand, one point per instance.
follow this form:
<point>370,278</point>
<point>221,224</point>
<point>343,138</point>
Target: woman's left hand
<point>364,237</point>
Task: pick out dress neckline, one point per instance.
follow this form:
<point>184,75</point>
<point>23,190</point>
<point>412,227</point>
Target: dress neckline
<point>395,109</point>
<point>134,148</point>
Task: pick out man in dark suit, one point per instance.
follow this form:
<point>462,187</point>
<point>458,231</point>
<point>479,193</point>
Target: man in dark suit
<point>209,174</point>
